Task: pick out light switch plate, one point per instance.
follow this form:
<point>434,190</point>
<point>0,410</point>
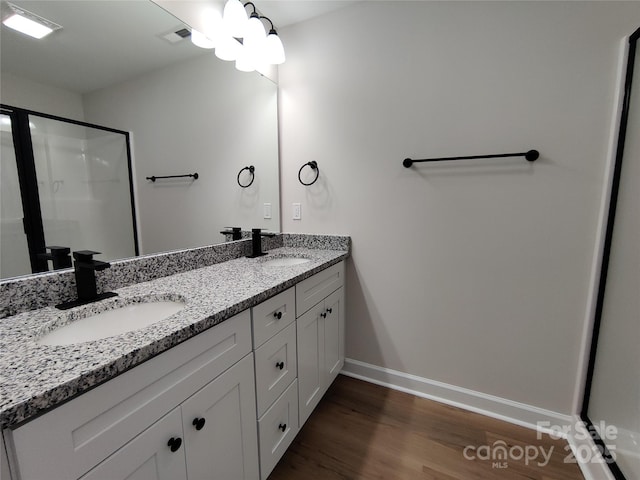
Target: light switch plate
<point>297,211</point>
<point>267,210</point>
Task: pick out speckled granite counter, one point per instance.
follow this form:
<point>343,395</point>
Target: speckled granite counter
<point>34,378</point>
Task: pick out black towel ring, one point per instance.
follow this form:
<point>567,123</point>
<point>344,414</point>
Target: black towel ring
<point>314,166</point>
<point>252,170</point>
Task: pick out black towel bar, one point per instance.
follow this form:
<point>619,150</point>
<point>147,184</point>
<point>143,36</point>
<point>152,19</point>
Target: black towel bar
<point>531,156</point>
<point>153,178</point>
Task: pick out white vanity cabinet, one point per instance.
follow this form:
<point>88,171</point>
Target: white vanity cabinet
<point>124,428</point>
<point>320,335</point>
<point>225,404</point>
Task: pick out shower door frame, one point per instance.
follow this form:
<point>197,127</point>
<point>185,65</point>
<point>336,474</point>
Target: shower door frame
<point>624,117</point>
<point>30,196</point>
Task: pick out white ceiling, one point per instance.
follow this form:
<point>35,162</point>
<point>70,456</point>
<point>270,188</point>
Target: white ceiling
<point>104,42</point>
<point>288,12</point>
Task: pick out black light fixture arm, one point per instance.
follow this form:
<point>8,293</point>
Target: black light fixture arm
<point>531,156</point>
<point>273,29</point>
<point>314,166</point>
<point>261,17</point>
<point>252,170</point>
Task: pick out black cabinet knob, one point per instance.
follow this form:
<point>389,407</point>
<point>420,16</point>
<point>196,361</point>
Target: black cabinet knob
<point>329,310</point>
<point>174,443</point>
<point>280,365</point>
<point>278,315</point>
<point>282,426</point>
<point>198,423</point>
<point>323,314</point>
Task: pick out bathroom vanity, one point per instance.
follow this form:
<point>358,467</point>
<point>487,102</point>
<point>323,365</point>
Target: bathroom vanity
<point>218,390</point>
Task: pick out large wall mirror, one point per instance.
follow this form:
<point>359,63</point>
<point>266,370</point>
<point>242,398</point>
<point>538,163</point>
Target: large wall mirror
<point>121,65</point>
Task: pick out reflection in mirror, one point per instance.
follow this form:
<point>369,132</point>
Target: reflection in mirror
<point>186,111</point>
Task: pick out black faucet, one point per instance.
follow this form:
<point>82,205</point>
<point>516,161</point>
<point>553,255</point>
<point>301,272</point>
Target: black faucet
<point>85,272</point>
<point>59,257</point>
<point>256,242</point>
<point>235,232</point>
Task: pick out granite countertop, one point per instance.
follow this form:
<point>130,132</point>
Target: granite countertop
<point>34,378</point>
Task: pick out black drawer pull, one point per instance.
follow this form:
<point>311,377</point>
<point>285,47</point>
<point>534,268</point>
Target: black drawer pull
<point>278,315</point>
<point>174,444</point>
<point>329,310</point>
<point>323,314</point>
<point>282,426</point>
<point>198,423</point>
<point>280,365</point>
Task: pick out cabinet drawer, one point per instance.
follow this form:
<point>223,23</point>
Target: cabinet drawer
<point>276,367</point>
<point>76,436</point>
<point>272,315</point>
<point>314,289</point>
<point>277,428</point>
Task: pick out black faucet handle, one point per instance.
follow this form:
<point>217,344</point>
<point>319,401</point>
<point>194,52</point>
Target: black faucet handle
<point>84,255</point>
<point>258,231</point>
<point>57,251</point>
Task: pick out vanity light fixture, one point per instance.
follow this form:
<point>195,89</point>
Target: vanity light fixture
<point>228,48</point>
<point>245,40</point>
<point>235,18</point>
<point>273,48</point>
<point>27,22</point>
<point>201,40</point>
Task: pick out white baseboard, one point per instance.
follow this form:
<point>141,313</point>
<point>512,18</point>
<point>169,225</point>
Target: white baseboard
<point>492,406</point>
<point>595,468</point>
<point>496,407</point>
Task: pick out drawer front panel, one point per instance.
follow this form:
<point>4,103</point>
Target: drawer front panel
<point>314,289</point>
<point>272,315</point>
<point>277,428</point>
<point>276,367</point>
<point>81,433</point>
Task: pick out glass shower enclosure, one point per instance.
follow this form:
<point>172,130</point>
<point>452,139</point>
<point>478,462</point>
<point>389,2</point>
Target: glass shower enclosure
<point>611,407</point>
<point>63,183</point>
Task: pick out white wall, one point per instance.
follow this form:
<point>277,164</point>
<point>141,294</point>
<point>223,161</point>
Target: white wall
<point>203,116</point>
<point>25,93</point>
<point>475,274</point>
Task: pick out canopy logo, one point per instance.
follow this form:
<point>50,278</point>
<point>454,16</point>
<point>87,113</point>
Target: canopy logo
<point>500,453</point>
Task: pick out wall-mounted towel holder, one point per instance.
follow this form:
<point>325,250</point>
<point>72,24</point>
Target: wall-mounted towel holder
<point>314,166</point>
<point>252,171</point>
<point>531,156</point>
<point>153,178</point>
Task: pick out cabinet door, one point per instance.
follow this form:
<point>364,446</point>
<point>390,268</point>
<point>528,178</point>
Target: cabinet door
<point>148,456</point>
<point>311,377</point>
<point>334,335</point>
<point>220,429</point>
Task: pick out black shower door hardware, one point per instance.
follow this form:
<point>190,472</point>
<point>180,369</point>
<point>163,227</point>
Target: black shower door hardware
<point>531,156</point>
<point>153,178</point>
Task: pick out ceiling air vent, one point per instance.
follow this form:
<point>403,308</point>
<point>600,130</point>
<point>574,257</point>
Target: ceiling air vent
<point>177,36</point>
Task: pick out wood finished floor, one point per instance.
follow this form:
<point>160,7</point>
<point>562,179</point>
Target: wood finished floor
<point>364,431</point>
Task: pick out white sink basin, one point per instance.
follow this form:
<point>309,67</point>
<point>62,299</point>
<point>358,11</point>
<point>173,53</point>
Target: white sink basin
<point>284,261</point>
<point>111,322</point>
